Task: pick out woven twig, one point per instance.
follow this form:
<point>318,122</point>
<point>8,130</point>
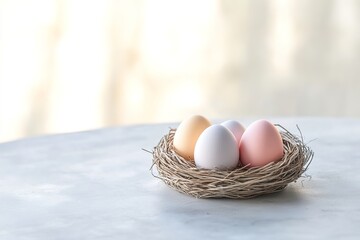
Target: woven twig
<point>240,183</point>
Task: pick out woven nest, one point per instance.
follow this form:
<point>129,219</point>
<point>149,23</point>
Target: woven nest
<point>241,183</point>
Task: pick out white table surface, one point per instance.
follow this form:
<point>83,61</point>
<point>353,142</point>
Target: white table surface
<point>97,185</point>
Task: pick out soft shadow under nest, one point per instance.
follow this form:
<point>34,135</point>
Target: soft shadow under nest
<point>240,183</point>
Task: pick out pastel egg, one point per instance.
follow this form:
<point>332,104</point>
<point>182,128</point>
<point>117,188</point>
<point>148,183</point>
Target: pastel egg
<point>216,149</point>
<point>187,134</point>
<point>260,144</point>
<point>235,128</point>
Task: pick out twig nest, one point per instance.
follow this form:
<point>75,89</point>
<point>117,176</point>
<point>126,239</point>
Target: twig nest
<point>242,182</point>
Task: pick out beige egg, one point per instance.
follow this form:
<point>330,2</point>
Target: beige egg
<point>260,144</point>
<point>187,134</point>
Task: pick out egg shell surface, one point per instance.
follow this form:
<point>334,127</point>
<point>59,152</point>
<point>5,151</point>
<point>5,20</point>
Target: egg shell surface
<point>187,134</point>
<point>217,149</point>
<point>235,128</point>
<point>260,144</point>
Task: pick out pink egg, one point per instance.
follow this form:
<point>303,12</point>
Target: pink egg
<point>260,144</point>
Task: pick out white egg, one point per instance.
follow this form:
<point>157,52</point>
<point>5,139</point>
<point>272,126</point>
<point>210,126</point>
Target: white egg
<point>235,128</point>
<point>216,148</point>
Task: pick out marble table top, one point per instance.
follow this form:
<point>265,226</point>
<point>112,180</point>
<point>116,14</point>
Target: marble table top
<point>97,185</point>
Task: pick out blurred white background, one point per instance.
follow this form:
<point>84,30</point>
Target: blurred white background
<point>70,65</point>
